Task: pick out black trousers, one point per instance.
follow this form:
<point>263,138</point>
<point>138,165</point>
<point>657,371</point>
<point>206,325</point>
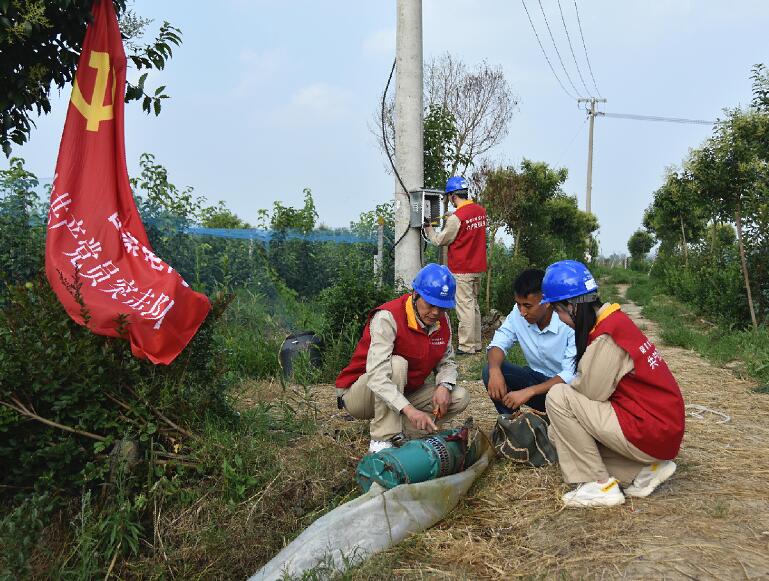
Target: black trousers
<point>517,377</point>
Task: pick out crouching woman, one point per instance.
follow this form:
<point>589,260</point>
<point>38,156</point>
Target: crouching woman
<point>622,417</point>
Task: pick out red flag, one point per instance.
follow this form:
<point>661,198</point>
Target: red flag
<point>93,224</point>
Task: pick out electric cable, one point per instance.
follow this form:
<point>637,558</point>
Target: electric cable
<point>387,148</point>
<point>542,48</point>
<point>584,46</point>
<point>557,52</point>
<point>571,141</point>
<point>656,118</point>
<point>571,48</point>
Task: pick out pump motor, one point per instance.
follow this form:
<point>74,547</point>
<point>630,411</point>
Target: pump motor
<point>441,454</point>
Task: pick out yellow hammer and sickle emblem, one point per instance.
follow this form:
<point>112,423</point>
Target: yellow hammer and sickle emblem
<point>96,111</point>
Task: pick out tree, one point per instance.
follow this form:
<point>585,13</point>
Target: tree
<point>479,101</point>
<point>677,214</point>
<point>530,203</point>
<point>569,228</point>
<point>639,245</point>
<point>162,200</point>
<point>220,216</point>
<point>22,231</point>
<point>286,218</point>
<point>733,176</point>
<point>439,131</point>
<point>40,44</point>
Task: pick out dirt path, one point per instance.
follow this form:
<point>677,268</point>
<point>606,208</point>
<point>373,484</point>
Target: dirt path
<point>710,521</point>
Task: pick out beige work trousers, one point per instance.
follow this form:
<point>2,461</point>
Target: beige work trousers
<point>589,439</point>
<point>362,404</point>
<point>468,312</point>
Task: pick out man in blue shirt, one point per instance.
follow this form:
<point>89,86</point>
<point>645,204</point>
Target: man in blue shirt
<point>547,344</point>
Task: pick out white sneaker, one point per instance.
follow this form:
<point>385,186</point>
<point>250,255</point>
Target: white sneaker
<point>594,494</point>
<point>379,445</point>
<point>650,477</point>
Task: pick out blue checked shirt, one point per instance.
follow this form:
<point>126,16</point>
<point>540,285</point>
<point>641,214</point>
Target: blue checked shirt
<point>550,351</point>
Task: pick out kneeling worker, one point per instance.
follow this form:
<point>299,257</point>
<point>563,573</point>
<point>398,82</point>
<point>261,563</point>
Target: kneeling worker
<point>547,344</point>
<point>404,341</point>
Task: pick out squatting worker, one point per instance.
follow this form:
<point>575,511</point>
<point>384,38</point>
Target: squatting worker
<point>622,416</point>
<point>404,341</point>
<point>464,232</point>
<point>547,344</point>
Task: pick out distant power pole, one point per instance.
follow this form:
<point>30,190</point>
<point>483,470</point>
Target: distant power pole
<point>591,113</point>
<point>408,135</point>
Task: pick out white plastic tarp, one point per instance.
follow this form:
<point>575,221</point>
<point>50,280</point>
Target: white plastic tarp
<point>379,519</point>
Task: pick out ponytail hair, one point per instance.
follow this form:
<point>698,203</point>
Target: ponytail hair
<point>584,321</point>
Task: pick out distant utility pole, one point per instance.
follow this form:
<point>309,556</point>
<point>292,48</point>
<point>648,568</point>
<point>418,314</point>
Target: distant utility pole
<point>408,135</point>
<point>591,113</point>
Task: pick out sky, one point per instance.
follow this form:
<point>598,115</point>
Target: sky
<point>270,97</point>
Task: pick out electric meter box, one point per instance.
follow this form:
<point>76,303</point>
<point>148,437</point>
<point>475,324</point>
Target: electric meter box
<point>426,206</point>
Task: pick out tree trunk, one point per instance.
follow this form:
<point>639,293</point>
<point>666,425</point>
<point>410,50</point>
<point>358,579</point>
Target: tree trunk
<point>744,262</point>
<point>488,270</point>
<point>517,241</point>
<point>683,243</point>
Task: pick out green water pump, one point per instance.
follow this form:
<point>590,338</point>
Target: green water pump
<point>440,454</point>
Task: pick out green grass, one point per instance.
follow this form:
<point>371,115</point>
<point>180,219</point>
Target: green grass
<point>682,327</point>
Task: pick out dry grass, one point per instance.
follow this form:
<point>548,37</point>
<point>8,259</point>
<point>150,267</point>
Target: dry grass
<point>710,521</point>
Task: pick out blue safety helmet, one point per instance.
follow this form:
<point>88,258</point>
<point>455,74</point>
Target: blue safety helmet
<point>436,285</point>
<point>568,280</point>
<point>456,183</point>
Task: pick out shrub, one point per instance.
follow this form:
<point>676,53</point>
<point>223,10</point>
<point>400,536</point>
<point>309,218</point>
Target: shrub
<point>21,225</point>
<point>345,306</point>
<point>68,394</point>
<point>506,268</point>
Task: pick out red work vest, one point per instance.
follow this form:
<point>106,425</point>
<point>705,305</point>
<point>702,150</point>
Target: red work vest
<point>421,351</point>
<point>467,254</point>
<point>647,401</point>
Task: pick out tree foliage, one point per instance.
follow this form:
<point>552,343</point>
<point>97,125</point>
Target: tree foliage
<point>40,43</point>
<point>478,102</point>
<point>440,129</point>
<point>530,203</point>
<point>286,218</point>
<point>722,190</point>
<point>21,225</point>
<point>220,216</point>
<point>676,215</point>
<point>639,245</point>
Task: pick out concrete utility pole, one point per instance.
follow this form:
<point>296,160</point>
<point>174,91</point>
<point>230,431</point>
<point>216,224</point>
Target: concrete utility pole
<point>591,113</point>
<point>408,135</point>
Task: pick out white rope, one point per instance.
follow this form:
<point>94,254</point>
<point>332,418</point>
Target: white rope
<point>696,410</point>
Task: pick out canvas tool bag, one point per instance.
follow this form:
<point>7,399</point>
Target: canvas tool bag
<point>522,437</point>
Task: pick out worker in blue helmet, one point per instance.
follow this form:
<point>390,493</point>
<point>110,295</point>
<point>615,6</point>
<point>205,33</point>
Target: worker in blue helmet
<point>621,419</point>
<point>405,341</point>
<point>464,232</point>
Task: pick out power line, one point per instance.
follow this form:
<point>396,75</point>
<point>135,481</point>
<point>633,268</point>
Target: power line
<point>571,48</point>
<point>587,58</point>
<point>656,118</point>
<point>571,142</point>
<point>387,148</point>
<point>555,46</point>
<point>542,48</point>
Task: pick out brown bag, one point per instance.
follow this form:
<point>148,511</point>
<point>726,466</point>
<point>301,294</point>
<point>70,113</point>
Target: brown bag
<point>522,437</point>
